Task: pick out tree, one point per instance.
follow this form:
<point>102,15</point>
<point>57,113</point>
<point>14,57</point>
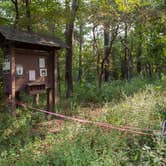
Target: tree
<point>15,2</point>
<point>28,15</point>
<point>71,13</point>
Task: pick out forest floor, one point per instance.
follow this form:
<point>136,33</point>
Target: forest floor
<point>32,138</point>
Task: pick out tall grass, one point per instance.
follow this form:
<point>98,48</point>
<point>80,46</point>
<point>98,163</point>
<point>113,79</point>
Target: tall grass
<point>139,103</point>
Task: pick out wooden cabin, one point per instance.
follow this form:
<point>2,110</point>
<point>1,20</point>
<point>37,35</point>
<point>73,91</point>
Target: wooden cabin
<point>29,64</point>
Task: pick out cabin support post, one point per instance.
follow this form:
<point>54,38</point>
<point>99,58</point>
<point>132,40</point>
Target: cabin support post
<point>5,97</point>
<point>50,105</point>
<point>13,78</point>
<point>36,99</point>
<point>55,77</point>
<point>18,98</point>
<point>52,92</point>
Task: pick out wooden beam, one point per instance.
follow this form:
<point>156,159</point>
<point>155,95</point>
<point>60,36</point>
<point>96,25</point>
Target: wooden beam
<point>50,103</point>
<point>36,99</point>
<point>52,91</point>
<point>13,78</point>
<point>5,43</point>
<point>55,77</point>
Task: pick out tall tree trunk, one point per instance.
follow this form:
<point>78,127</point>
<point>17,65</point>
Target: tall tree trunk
<point>71,12</point>
<point>106,54</point>
<point>149,69</point>
<point>108,45</point>
<point>129,62</point>
<point>123,71</point>
<point>104,73</point>
<point>96,52</point>
<point>114,72</point>
<point>28,15</point>
<point>15,2</point>
<point>126,53</point>
<point>139,52</point>
<point>80,54</point>
<point>126,62</point>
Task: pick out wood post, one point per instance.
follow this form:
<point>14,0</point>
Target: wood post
<point>18,97</point>
<point>36,99</point>
<point>50,103</point>
<point>55,76</point>
<point>13,78</point>
<point>52,92</point>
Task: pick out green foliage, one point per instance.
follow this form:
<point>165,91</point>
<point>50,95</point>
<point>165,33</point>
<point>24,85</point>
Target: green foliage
<point>113,91</point>
<point>145,40</point>
<point>25,140</point>
<point>139,102</point>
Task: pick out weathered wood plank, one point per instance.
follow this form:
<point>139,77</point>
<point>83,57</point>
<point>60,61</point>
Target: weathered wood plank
<point>13,78</point>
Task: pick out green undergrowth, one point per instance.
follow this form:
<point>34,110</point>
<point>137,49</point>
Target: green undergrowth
<point>88,94</point>
<point>115,90</point>
<point>139,103</point>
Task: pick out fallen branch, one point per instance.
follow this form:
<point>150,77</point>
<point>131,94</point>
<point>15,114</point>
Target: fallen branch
<point>84,121</point>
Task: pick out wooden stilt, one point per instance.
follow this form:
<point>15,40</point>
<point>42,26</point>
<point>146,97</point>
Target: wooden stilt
<point>52,91</point>
<point>13,79</point>
<point>36,99</point>
<point>50,103</point>
<point>18,97</point>
<point>55,73</point>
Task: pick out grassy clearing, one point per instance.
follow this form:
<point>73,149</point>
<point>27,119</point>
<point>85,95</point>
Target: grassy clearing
<point>27,140</point>
<point>142,109</point>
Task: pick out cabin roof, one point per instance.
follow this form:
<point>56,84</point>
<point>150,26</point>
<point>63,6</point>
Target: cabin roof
<point>31,38</point>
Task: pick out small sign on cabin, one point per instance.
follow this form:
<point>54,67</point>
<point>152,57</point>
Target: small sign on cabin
<point>6,63</point>
<point>19,70</point>
<point>43,72</point>
<point>41,62</point>
<point>32,75</point>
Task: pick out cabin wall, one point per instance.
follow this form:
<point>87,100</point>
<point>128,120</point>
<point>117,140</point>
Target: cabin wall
<point>29,60</point>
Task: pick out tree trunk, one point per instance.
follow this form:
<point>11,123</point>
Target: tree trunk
<point>126,62</point>
<point>104,70</point>
<point>80,54</point>
<point>139,52</point>
<point>16,22</point>
<point>123,68</point>
<point>69,54</point>
<point>126,53</point>
<point>96,52</point>
<point>28,15</point>
<point>71,12</point>
<point>149,69</point>
<point>106,54</point>
<point>129,62</point>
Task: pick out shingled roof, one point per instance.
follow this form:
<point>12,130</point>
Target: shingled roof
<point>31,38</point>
